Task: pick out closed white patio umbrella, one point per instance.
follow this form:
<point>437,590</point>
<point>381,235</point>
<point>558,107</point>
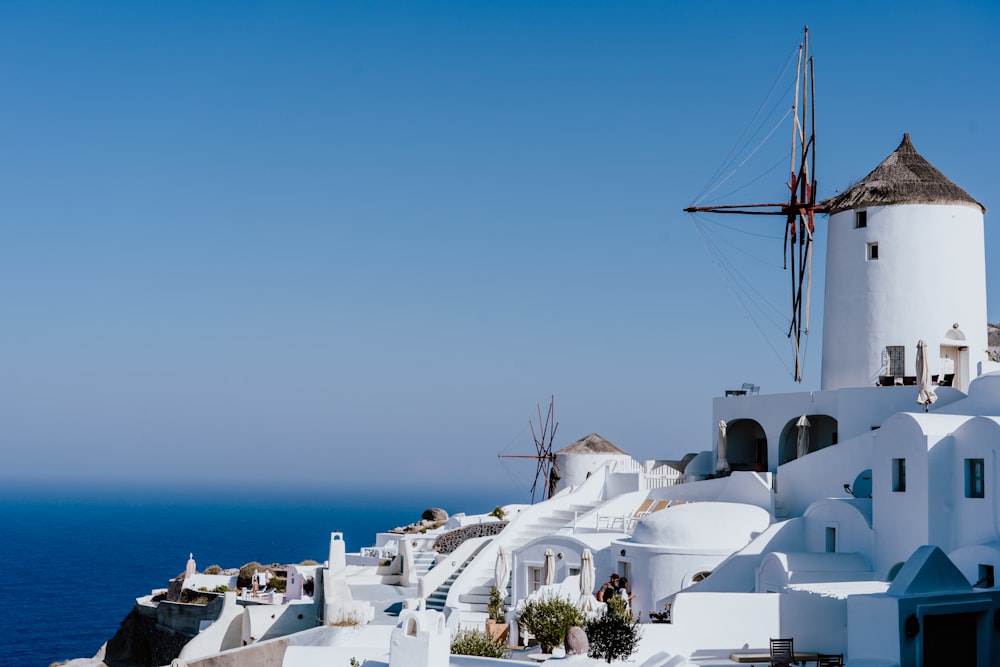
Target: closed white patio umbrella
<point>925,391</point>
<point>588,603</point>
<point>802,441</point>
<point>721,464</point>
<point>550,567</point>
<point>502,570</point>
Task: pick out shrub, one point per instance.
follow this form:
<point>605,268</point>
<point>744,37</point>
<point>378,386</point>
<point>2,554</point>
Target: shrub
<point>221,589</point>
<point>189,596</point>
<point>279,584</point>
<point>474,642</point>
<point>495,608</point>
<point>308,562</point>
<point>613,635</point>
<point>498,512</point>
<point>213,569</point>
<point>618,608</point>
<point>548,618</point>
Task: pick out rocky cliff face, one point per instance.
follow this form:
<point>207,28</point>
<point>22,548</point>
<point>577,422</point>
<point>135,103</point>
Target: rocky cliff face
<point>142,642</point>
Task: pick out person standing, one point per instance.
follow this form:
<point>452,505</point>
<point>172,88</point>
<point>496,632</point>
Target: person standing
<point>609,589</point>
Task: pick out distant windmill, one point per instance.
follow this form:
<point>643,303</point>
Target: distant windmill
<point>546,469</point>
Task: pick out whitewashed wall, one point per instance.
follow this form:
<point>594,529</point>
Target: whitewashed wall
<point>929,275</point>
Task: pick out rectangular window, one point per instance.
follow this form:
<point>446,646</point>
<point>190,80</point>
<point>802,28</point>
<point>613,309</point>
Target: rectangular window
<point>985,576</point>
<point>873,250</point>
<point>535,576</point>
<point>974,478</point>
<point>860,219</point>
<point>831,539</point>
<point>895,360</point>
<point>899,475</point>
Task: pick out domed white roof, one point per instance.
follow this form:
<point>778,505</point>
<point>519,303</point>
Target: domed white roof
<point>703,525</point>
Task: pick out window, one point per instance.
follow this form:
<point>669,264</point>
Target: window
<point>831,539</point>
<point>895,359</point>
<point>985,577</point>
<point>535,575</point>
<point>873,250</point>
<point>899,475</point>
<point>860,219</point>
<point>974,478</point>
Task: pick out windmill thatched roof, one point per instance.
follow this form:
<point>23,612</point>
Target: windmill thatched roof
<point>592,444</point>
<point>904,177</point>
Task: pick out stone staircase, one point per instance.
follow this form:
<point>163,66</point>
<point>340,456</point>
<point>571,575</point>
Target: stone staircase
<point>472,603</point>
<point>423,562</point>
<point>437,599</point>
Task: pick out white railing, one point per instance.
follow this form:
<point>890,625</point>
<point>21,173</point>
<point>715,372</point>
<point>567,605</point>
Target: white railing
<point>648,481</point>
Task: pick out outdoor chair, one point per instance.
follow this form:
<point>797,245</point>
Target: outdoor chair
<point>782,652</point>
<point>830,660</point>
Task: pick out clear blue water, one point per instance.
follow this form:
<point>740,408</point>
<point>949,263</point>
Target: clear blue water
<point>76,560</point>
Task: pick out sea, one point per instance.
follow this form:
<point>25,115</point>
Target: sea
<point>76,558</point>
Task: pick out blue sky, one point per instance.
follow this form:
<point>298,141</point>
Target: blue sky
<point>324,242</point>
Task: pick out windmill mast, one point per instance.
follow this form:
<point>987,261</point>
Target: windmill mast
<point>546,468</point>
<point>800,210</point>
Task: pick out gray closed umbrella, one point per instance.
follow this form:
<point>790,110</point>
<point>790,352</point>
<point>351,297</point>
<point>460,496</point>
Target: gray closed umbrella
<point>550,567</point>
<point>925,391</point>
<point>802,441</point>
<point>721,464</point>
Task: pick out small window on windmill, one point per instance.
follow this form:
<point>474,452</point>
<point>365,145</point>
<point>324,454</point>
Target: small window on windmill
<point>860,219</point>
<point>895,360</point>
<point>872,250</point>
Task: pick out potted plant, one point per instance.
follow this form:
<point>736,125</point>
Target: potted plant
<point>548,618</point>
<point>496,621</point>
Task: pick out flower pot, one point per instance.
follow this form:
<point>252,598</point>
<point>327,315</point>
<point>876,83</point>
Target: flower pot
<point>497,631</point>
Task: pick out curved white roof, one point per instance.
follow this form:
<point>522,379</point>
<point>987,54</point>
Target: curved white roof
<point>703,526</point>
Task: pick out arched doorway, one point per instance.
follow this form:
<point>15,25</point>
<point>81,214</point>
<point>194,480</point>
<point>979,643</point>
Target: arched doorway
<point>822,434</point>
<point>746,445</point>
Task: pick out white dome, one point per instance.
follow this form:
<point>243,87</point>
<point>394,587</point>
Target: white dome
<point>703,525</point>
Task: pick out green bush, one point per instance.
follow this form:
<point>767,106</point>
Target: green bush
<point>279,584</point>
<point>613,635</point>
<point>498,512</point>
<point>548,618</point>
<point>474,642</point>
<point>221,589</point>
<point>495,608</point>
<point>213,569</point>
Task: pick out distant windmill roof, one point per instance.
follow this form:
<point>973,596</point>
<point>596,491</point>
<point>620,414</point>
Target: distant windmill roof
<point>904,177</point>
<point>592,444</point>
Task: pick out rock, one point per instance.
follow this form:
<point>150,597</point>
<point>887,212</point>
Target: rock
<point>434,514</point>
<point>576,641</point>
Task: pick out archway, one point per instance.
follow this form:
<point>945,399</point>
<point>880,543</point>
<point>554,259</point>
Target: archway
<point>822,434</point>
<point>746,445</point>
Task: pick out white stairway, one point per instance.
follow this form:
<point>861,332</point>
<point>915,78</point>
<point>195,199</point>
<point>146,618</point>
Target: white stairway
<point>472,602</point>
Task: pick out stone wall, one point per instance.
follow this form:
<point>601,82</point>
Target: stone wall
<point>449,541</point>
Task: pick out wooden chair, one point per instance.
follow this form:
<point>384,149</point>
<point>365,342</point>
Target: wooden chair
<point>782,652</point>
<point>830,660</point>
